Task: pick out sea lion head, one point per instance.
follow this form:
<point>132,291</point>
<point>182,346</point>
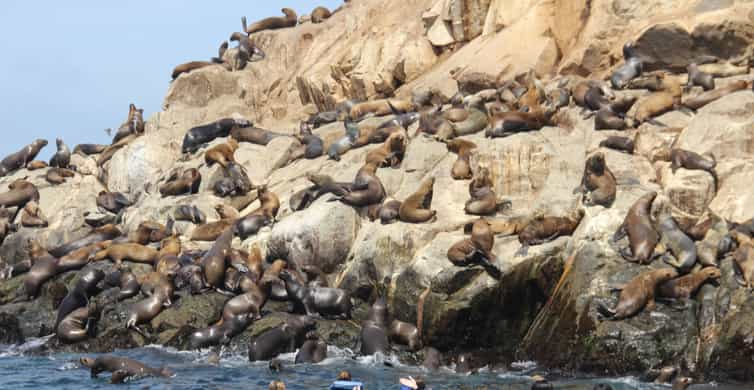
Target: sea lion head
<point>87,362</point>
<point>713,274</point>
<point>289,13</point>
<point>40,142</point>
<point>597,163</point>
<point>668,273</point>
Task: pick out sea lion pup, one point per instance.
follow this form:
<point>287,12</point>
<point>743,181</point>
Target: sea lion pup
<point>189,213</point>
<point>697,77</point>
<point>313,351</point>
<point>660,102</point>
<point>127,368</point>
<point>320,14</point>
<point>126,283</point>
<point>214,263</point>
<point>638,294</point>
<point>272,23</point>
<point>380,107</point>
<point>315,301</point>
<point>36,164</point>
<point>343,145</point>
<point>642,236</point>
<point>542,229</point>
<point>504,124</point>
<point>461,169</point>
<point>390,153</point>
<point>687,159</point>
<point>598,183</point>
<point>313,145</point>
<point>62,157</point>
<point>136,253</point>
<point>32,216</point>
<point>19,159</point>
<point>744,257</point>
<point>21,192</point>
<point>674,240</point>
<point>374,332</point>
<point>104,233</point>
<point>483,198</point>
<point>113,202</point>
<point>57,176</point>
<point>631,69</point>
<point>188,183</point>
<point>416,208</point>
<point>200,135</point>
<point>366,189</point>
<point>85,288</point>
<point>89,149</point>
<point>476,250</point>
<point>704,98</point>
<point>686,286</point>
<point>222,153</point>
<point>615,142</point>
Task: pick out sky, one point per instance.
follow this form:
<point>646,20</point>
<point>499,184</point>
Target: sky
<point>71,68</point>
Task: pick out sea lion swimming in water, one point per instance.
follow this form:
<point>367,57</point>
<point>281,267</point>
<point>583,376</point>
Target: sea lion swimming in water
<point>19,159</point>
<point>638,294</point>
<point>62,157</point>
<point>313,351</point>
<point>272,23</point>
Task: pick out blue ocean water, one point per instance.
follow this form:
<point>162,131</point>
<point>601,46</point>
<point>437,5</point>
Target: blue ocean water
<point>20,370</point>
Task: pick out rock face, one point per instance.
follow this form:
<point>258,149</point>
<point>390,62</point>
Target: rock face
<point>543,306</point>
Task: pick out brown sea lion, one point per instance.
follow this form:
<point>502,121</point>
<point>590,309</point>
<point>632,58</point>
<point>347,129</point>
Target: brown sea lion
<point>200,135</point>
<point>36,164</point>
<point>388,212</point>
<point>660,102</point>
<point>631,69</point>
<point>638,294</point>
<point>715,243</point>
<point>214,262</point>
<point>190,67</point>
<point>136,253</point>
<point>406,334</point>
<point>687,159</point>
<point>507,123</point>
<point>313,301</point>
<point>390,153</point>
<point>289,20</point>
<point>416,208</point>
<point>126,283</point>
<point>222,153</point>
<point>686,286</point>
<point>366,189</point>
<point>44,266</point>
<point>21,192</point>
<point>638,226</point>
<point>32,216</point>
<point>314,349</point>
<point>477,249</point>
<point>380,107</point>
<point>674,240</point>
<point>482,192</point>
<point>744,257</point>
<point>431,122</point>
<point>320,14</point>
<point>79,324</point>
<point>89,149</point>
<point>188,182</point>
<point>212,230</point>
<point>62,157</point>
<point>189,213</point>
<point>19,159</point>
<point>598,183</point>
<point>113,202</point>
<point>134,124</point>
<point>543,229</point>
<point>126,368</point>
<point>461,169</point>
<point>580,90</point>
<point>623,144</point>
<point>158,290</point>
<point>57,176</point>
<point>263,216</point>
<point>697,77</point>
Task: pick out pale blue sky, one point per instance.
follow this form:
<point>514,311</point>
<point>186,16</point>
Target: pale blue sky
<point>70,68</point>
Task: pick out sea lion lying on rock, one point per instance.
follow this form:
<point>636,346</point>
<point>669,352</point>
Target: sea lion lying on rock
<point>638,294</point>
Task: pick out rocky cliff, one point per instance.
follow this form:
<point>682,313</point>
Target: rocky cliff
<point>543,308</point>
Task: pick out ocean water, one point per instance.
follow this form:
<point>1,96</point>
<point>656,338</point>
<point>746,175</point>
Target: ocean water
<point>21,370</point>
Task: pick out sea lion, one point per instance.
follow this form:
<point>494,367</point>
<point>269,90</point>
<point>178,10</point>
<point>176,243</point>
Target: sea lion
<point>431,122</point>
<point>104,233</point>
<point>682,383</point>
<point>638,294</point>
<point>44,266</point>
<point>281,339</point>
<point>187,183</point>
<point>189,213</point>
<point>21,192</point>
<point>89,149</point>
<point>35,165</point>
<point>406,334</point>
<point>212,230</point>
<point>686,286</point>
<point>322,118</point>
<point>5,224</point>
<point>159,290</point>
<point>62,157</point>
<point>366,189</point>
<point>623,144</point>
<point>126,282</point>
<point>134,124</point>
<point>631,69</point>
<point>388,212</point>
<point>477,249</point>
<point>598,183</point>
<point>715,243</point>
<point>687,159</point>
<point>314,301</point>
<point>197,136</point>
<point>190,276</point>
<point>253,135</point>
<point>580,90</point>
<point>390,153</point>
<point>744,257</point>
<point>374,334</point>
<point>19,159</point>
<point>32,216</point>
<point>461,169</point>
<point>214,263</point>
<point>123,366</point>
<point>542,229</point>
<point>57,176</point>
<point>79,296</point>
<point>313,145</point>
<point>507,123</point>
<point>113,202</point>
<point>222,153</point>
<point>313,351</point>
<point>697,77</point>
<point>235,183</point>
<point>319,15</point>
<point>190,67</point>
<point>660,102</point>
<point>380,107</point>
<point>79,324</point>
<point>246,52</point>
<point>343,145</point>
<point>677,242</point>
<point>608,120</point>
<point>416,208</point>
<point>474,122</point>
<point>642,236</point>
<point>482,192</point>
<point>272,23</point>
<point>132,252</point>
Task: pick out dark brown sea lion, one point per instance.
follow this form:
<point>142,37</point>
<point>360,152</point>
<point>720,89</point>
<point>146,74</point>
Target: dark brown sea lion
<point>366,189</point>
<point>189,213</point>
<point>113,202</point>
<point>190,67</point>
<point>134,124</point>
<point>687,159</point>
<point>57,176</point>
<point>19,159</point>
<point>598,183</point>
<point>477,249</point>
<point>715,243</point>
<point>125,367</point>
<point>660,102</point>
<point>678,243</point>
<point>104,233</point>
<point>212,230</point>
<point>214,263</point>
<point>697,77</point>
<point>5,223</point>
<point>374,332</point>
<point>406,334</point>
<point>431,122</point>
<point>222,153</point>
<point>313,145</point>
<point>200,135</point>
<point>686,286</point>
<point>416,208</point>
<point>126,283</point>
<point>253,135</point>
<point>36,164</point>
<point>187,183</point>
<point>314,301</point>
<point>313,351</point>
<point>638,294</point>
<point>507,123</point>
<point>190,277</point>
<point>623,144</point>
<point>281,339</point>
<point>744,257</point>
<point>631,69</point>
<point>89,149</point>
<point>390,153</point>
<point>701,100</point>
<point>272,23</point>
<point>62,157</point>
<point>580,89</point>
<point>319,15</point>
<point>388,212</point>
<point>642,236</point>
<point>32,216</point>
<point>44,266</point>
<point>158,290</point>
<point>482,192</point>
<point>608,120</point>
<point>542,229</point>
<point>79,324</point>
<point>461,169</point>
<point>21,192</point>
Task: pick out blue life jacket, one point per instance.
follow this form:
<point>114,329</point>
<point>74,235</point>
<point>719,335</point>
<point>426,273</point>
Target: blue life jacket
<point>345,385</point>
